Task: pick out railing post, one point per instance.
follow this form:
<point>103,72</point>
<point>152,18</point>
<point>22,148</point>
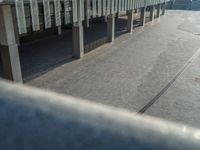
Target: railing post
<point>78,38</point>
<point>111,25</point>
<point>130,21</point>
<point>8,45</point>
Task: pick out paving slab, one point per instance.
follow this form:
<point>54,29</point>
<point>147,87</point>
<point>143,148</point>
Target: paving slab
<point>133,69</point>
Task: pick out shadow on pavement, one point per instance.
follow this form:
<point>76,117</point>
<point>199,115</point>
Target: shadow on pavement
<point>45,54</point>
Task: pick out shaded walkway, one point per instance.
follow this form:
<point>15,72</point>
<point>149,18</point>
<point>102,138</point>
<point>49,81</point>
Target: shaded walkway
<point>45,54</point>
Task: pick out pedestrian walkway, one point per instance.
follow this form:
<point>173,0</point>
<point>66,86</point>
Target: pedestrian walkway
<point>46,53</point>
<point>134,69</point>
<point>38,57</point>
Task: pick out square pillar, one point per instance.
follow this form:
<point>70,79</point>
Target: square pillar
<point>78,37</point>
<point>14,14</point>
<point>59,30</point>
<point>78,40</point>
<point>117,15</point>
<point>152,13</point>
<point>143,16</point>
<point>106,18</point>
<point>8,45</point>
<point>163,8</point>
<point>87,12</point>
<point>111,27</point>
<point>158,10</point>
<point>87,22</point>
<point>130,21</point>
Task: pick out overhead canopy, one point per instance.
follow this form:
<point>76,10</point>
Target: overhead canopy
<point>96,8</point>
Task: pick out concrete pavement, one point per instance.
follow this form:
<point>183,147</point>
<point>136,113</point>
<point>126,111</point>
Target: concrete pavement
<point>130,72</point>
<point>181,102</point>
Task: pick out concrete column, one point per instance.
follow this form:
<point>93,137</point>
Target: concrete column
<point>87,12</point>
<point>78,38</point>
<point>8,45</point>
<point>130,21</point>
<point>158,10</point>
<point>163,8</point>
<point>117,15</point>
<point>59,30</point>
<point>143,16</point>
<point>111,23</point>
<point>111,27</point>
<point>14,14</point>
<point>152,13</point>
<point>87,23</point>
<point>106,18</point>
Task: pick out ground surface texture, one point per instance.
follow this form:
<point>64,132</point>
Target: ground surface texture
<point>154,71</point>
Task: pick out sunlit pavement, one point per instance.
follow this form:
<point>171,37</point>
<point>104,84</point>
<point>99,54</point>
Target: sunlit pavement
<point>148,71</point>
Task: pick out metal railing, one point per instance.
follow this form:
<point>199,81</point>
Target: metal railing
<point>34,119</point>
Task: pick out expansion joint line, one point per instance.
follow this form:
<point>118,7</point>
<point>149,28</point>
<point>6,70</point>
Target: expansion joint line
<point>187,64</point>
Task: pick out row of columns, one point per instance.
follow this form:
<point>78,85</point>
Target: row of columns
<point>110,19</point>
<point>130,15</point>
<point>9,47</point>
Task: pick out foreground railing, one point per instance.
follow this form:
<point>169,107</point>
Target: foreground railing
<point>34,119</point>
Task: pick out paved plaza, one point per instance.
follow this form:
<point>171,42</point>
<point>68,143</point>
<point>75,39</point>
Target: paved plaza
<point>155,70</point>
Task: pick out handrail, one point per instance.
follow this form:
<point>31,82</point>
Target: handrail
<point>35,119</point>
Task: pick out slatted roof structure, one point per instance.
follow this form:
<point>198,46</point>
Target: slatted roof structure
<point>88,9</point>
